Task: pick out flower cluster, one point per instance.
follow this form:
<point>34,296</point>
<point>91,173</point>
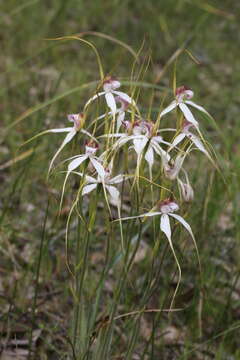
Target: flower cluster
<point>125,130</point>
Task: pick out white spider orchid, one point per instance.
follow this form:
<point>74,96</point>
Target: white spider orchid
<point>78,121</point>
<point>183,96</point>
<point>145,135</point>
<point>107,182</point>
<point>91,148</point>
<point>143,138</point>
<point>109,90</point>
<point>166,210</point>
<point>185,133</point>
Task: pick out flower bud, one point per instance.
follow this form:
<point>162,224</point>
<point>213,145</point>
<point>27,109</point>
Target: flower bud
<point>186,191</point>
<point>171,170</point>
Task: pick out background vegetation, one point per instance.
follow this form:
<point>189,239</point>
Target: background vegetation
<point>40,82</point>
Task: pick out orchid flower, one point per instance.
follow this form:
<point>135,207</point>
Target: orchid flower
<point>107,182</point>
<point>78,121</point>
<point>167,210</point>
<point>109,90</point>
<point>145,134</point>
<point>185,133</point>
<point>143,137</point>
<point>90,150</point>
<point>183,96</point>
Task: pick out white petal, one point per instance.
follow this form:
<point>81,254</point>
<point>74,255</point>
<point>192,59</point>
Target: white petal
<point>165,227</point>
<point>122,141</point>
<point>149,214</point>
<point>169,108</point>
<point>149,156</point>
<point>90,179</point>
<point>177,140</point>
<point>158,139</point>
<point>139,144</point>
<point>197,142</point>
<point>99,168</point>
<point>152,213</point>
<point>200,108</point>
<point>67,139</point>
<point>184,223</point>
<point>113,192</point>
<point>188,228</point>
<point>188,114</point>
<point>172,171</point>
<point>76,162</point>
<point>125,97</point>
<point>117,179</point>
<point>88,188</point>
<point>61,130</point>
<point>114,135</point>
<point>120,119</point>
<point>164,155</point>
<point>111,102</point>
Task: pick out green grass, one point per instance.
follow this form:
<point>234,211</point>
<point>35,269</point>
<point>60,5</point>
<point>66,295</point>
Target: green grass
<point>46,77</point>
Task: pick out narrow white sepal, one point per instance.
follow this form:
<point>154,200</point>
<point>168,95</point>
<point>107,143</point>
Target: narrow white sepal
<point>111,102</point>
<point>188,114</point>
<point>169,108</point>
<point>184,223</point>
<point>67,139</point>
<point>60,130</point>
<point>139,145</point>
<point>165,227</point>
<point>117,179</point>
<point>177,140</point>
<point>114,193</point>
<point>198,107</point>
<point>149,214</point>
<point>149,156</point>
<point>120,119</point>
<point>125,97</point>
<point>88,188</point>
<point>99,168</point>
<point>76,162</point>
<point>197,142</point>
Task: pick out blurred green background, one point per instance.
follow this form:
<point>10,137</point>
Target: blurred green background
<point>36,76</point>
